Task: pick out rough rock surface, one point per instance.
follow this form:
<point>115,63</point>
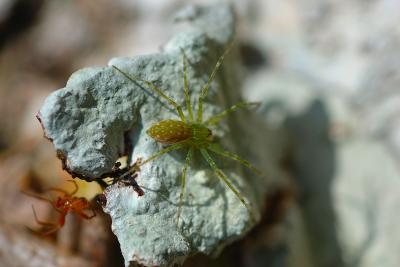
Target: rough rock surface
<point>99,109</point>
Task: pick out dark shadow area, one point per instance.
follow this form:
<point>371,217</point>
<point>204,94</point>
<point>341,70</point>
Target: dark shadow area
<point>114,255</point>
<point>21,15</point>
<point>252,57</point>
<point>313,165</point>
<point>259,247</point>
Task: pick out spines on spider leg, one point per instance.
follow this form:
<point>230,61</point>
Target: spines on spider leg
<point>221,175</point>
<point>186,88</point>
<point>183,183</point>
<point>149,84</point>
<point>217,118</point>
<point>218,150</point>
<point>204,90</point>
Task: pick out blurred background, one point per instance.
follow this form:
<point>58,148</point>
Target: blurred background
<point>327,72</point>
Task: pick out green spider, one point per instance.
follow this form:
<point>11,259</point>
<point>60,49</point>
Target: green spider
<point>193,133</point>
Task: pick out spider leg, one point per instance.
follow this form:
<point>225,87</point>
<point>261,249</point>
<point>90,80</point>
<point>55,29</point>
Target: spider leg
<point>186,87</point>
<point>215,119</point>
<point>220,174</point>
<point>183,183</point>
<point>156,155</point>
<point>162,152</point>
<point>217,149</point>
<point>204,90</point>
<point>155,89</point>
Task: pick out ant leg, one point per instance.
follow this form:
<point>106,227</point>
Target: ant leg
<point>76,187</point>
<point>186,87</point>
<point>217,149</point>
<point>37,196</point>
<point>183,183</point>
<point>93,213</point>
<point>39,221</point>
<point>204,90</point>
<point>220,174</point>
<point>52,230</point>
<point>52,226</point>
<point>85,216</point>
<point>65,192</point>
<point>58,190</point>
<point>156,155</point>
<point>215,119</point>
<point>156,89</point>
<point>41,198</point>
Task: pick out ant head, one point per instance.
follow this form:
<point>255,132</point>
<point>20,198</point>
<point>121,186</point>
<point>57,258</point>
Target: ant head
<point>83,200</point>
<point>60,201</point>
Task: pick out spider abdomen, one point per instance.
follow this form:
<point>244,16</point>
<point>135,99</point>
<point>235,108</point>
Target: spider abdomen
<point>170,131</point>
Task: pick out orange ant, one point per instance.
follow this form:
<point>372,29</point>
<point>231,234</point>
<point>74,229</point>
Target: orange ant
<point>63,205</point>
